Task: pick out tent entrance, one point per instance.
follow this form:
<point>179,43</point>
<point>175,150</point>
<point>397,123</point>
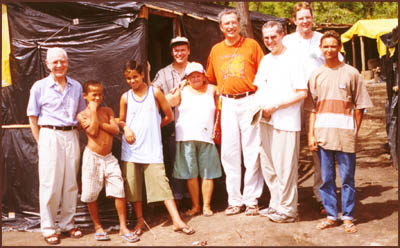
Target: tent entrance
<point>161,30</point>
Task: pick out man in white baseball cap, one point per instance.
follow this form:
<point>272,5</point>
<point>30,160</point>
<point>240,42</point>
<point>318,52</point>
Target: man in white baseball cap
<point>167,79</point>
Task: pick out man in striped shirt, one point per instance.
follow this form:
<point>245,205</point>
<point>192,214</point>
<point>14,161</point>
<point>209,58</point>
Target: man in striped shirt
<point>337,99</point>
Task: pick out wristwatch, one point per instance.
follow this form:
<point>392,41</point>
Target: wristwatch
<point>276,107</point>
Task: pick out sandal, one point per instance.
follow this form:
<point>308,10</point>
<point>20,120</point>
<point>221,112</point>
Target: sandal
<point>130,237</point>
<point>74,233</point>
<point>185,230</point>
<point>101,236</point>
<point>251,210</point>
<point>326,223</point>
<point>232,210</point>
<point>350,227</point>
<point>52,239</point>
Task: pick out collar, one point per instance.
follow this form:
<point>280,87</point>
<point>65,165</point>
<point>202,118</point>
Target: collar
<point>53,83</point>
<point>237,43</point>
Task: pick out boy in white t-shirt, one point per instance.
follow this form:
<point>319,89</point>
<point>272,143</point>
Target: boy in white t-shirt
<point>196,152</point>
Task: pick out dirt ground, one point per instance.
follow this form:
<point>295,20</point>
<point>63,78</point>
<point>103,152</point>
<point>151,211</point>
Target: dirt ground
<point>376,213</point>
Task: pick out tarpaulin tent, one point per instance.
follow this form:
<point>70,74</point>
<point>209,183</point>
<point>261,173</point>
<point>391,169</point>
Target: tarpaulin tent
<point>372,29</point>
<point>99,38</point>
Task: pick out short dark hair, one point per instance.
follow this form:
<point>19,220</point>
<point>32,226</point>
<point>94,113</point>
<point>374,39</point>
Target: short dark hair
<point>331,34</point>
<point>300,6</point>
<point>89,83</point>
<point>271,24</point>
<point>133,65</point>
<point>227,12</point>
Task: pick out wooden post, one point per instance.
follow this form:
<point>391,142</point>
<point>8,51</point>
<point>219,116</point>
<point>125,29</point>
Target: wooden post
<point>246,28</point>
<point>177,27</point>
<point>353,49</point>
<point>144,12</point>
<point>362,54</point>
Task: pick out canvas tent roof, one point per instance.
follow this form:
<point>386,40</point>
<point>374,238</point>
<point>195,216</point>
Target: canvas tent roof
<point>372,29</point>
<point>205,10</point>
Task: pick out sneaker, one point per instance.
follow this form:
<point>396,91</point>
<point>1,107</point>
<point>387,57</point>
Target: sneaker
<point>267,211</point>
<point>281,218</point>
<point>251,210</point>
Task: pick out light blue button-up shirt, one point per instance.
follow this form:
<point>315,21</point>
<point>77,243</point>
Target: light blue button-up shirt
<point>54,107</point>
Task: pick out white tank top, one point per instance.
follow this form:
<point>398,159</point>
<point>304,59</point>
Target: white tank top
<point>196,116</point>
<point>144,120</point>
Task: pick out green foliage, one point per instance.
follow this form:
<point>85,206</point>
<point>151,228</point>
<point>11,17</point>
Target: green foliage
<point>329,12</point>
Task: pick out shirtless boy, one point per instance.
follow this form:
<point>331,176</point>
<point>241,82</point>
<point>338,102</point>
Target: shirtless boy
<point>99,166</point>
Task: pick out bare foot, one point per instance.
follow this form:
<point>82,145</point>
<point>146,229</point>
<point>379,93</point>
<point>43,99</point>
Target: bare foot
<point>99,230</point>
<point>207,211</point>
<point>138,229</point>
<point>193,212</point>
<point>184,229</point>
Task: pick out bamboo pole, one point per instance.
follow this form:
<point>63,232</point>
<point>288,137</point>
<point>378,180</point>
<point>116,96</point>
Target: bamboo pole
<point>15,126</point>
<point>362,54</point>
<point>353,49</point>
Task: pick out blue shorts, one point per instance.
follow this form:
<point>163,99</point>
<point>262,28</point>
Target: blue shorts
<point>194,158</point>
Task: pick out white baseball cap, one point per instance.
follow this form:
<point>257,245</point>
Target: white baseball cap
<point>179,40</point>
<point>192,67</point>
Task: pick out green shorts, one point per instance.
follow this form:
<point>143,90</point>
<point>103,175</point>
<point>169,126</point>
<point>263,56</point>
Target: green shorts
<point>157,186</point>
<point>194,158</point>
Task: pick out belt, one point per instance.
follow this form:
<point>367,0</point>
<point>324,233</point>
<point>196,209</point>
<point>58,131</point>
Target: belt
<point>238,96</point>
<point>63,128</point>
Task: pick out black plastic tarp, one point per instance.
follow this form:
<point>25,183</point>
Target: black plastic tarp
<point>390,75</point>
<point>106,36</point>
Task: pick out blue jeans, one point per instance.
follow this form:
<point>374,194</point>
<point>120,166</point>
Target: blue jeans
<point>347,166</point>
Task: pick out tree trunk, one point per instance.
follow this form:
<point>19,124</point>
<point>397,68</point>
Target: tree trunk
<point>245,28</point>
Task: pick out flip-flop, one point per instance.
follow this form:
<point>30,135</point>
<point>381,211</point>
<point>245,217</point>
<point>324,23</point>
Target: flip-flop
<point>185,230</point>
<point>325,223</point>
<point>130,237</point>
<point>350,227</point>
<point>74,233</point>
<point>101,236</point>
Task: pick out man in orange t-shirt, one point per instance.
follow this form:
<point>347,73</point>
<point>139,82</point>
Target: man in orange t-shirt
<point>233,64</point>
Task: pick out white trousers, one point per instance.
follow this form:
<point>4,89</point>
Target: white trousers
<point>279,156</point>
<point>238,135</point>
<point>59,155</point>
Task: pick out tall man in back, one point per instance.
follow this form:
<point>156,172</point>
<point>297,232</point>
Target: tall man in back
<point>233,64</point>
<point>54,103</point>
<point>306,42</point>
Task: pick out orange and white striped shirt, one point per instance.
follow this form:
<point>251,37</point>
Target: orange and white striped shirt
<point>334,94</point>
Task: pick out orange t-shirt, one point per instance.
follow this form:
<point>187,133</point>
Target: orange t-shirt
<point>234,66</point>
